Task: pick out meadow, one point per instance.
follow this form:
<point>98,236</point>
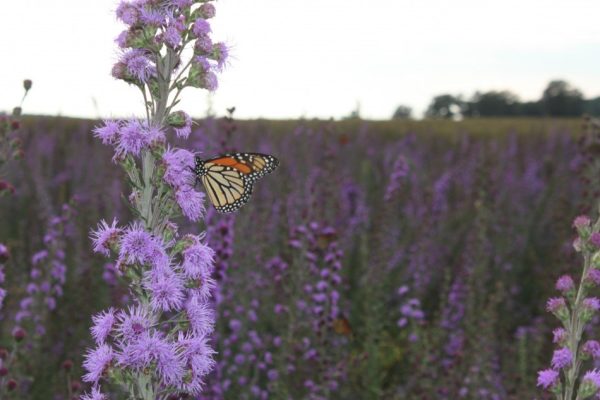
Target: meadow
<point>381,260</point>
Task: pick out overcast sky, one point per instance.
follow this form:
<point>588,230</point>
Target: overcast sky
<point>311,58</point>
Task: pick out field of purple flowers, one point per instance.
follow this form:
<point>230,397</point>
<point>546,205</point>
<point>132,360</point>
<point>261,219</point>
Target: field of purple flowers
<point>404,260</point>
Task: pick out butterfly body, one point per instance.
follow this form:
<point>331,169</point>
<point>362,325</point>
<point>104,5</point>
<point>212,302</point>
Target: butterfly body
<point>229,178</point>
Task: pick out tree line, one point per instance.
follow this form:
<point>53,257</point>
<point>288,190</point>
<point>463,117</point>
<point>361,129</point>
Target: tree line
<point>559,99</point>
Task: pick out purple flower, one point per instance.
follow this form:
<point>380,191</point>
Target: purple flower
<point>181,3</point>
<point>166,288</point>
<point>595,239</point>
<point>198,260</point>
<point>581,222</point>
<point>151,17</point>
<point>103,325</point>
<point>139,246</point>
<point>96,362</point>
<point>133,323</point>
<point>593,377</point>
<point>204,45</point>
<point>591,303</point>
<point>104,236</point>
<point>220,54</point>
<point>561,358</point>
<point>39,257</point>
<point>559,335</point>
<point>593,276</point>
<point>121,40</point>
<point>200,315</point>
<point>197,354</point>
<point>201,27</point>
<point>592,348</point>
<point>138,65</point>
<point>109,132</point>
<point>132,140</point>
<point>191,203</point>
<point>179,164</point>
<point>152,348</point>
<point>207,10</point>
<point>172,37</point>
<point>565,283</point>
<point>127,13</point>
<point>210,82</point>
<point>555,304</point>
<point>186,129</point>
<point>547,378</point>
<point>95,394</point>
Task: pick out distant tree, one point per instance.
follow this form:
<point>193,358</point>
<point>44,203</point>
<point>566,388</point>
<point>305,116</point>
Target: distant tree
<point>402,112</point>
<point>530,109</point>
<point>492,104</point>
<point>560,99</point>
<point>592,107</point>
<point>445,106</point>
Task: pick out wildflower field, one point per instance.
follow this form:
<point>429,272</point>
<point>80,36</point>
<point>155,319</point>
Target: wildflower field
<point>160,258</point>
<point>406,260</point>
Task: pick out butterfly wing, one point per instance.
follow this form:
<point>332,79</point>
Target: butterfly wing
<point>229,179</point>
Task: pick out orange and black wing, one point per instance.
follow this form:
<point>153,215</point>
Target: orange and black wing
<point>229,179</point>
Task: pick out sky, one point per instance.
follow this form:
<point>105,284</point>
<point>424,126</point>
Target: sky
<point>311,58</point>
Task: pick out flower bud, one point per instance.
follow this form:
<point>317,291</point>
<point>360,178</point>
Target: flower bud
<point>589,384</point>
<point>18,334</point>
<point>595,239</point>
<point>558,307</point>
<point>3,371</point>
<point>67,365</point>
<point>27,84</point>
<point>17,112</point>
<point>203,45</point>
<point>4,255</point>
<point>177,119</point>
<point>11,385</point>
<point>207,10</point>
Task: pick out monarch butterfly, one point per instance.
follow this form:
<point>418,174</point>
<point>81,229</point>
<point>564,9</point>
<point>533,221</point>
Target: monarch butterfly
<point>341,326</point>
<point>228,179</point>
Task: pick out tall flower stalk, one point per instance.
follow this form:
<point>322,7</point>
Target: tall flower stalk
<point>159,346</point>
<point>575,309</point>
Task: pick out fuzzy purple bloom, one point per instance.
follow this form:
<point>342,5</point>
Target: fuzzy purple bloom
<point>191,203</point>
<point>592,303</point>
<point>172,37</point>
<point>166,288</point>
<point>133,323</point>
<point>127,13</point>
<point>95,394</point>
<point>109,132</point>
<point>96,362</point>
<point>198,260</point>
<point>200,315</point>
<point>547,378</point>
<point>103,325</point>
<point>559,335</point>
<point>139,246</point>
<point>581,222</point>
<point>562,358</point>
<point>592,348</point>
<point>138,65</point>
<point>595,239</point>
<point>565,283</point>
<point>132,139</point>
<point>554,304</point>
<point>104,236</point>
<point>201,27</point>
<point>593,377</point>
<point>593,276</point>
<point>207,10</point>
<point>152,348</point>
<point>179,164</point>
<point>220,54</point>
